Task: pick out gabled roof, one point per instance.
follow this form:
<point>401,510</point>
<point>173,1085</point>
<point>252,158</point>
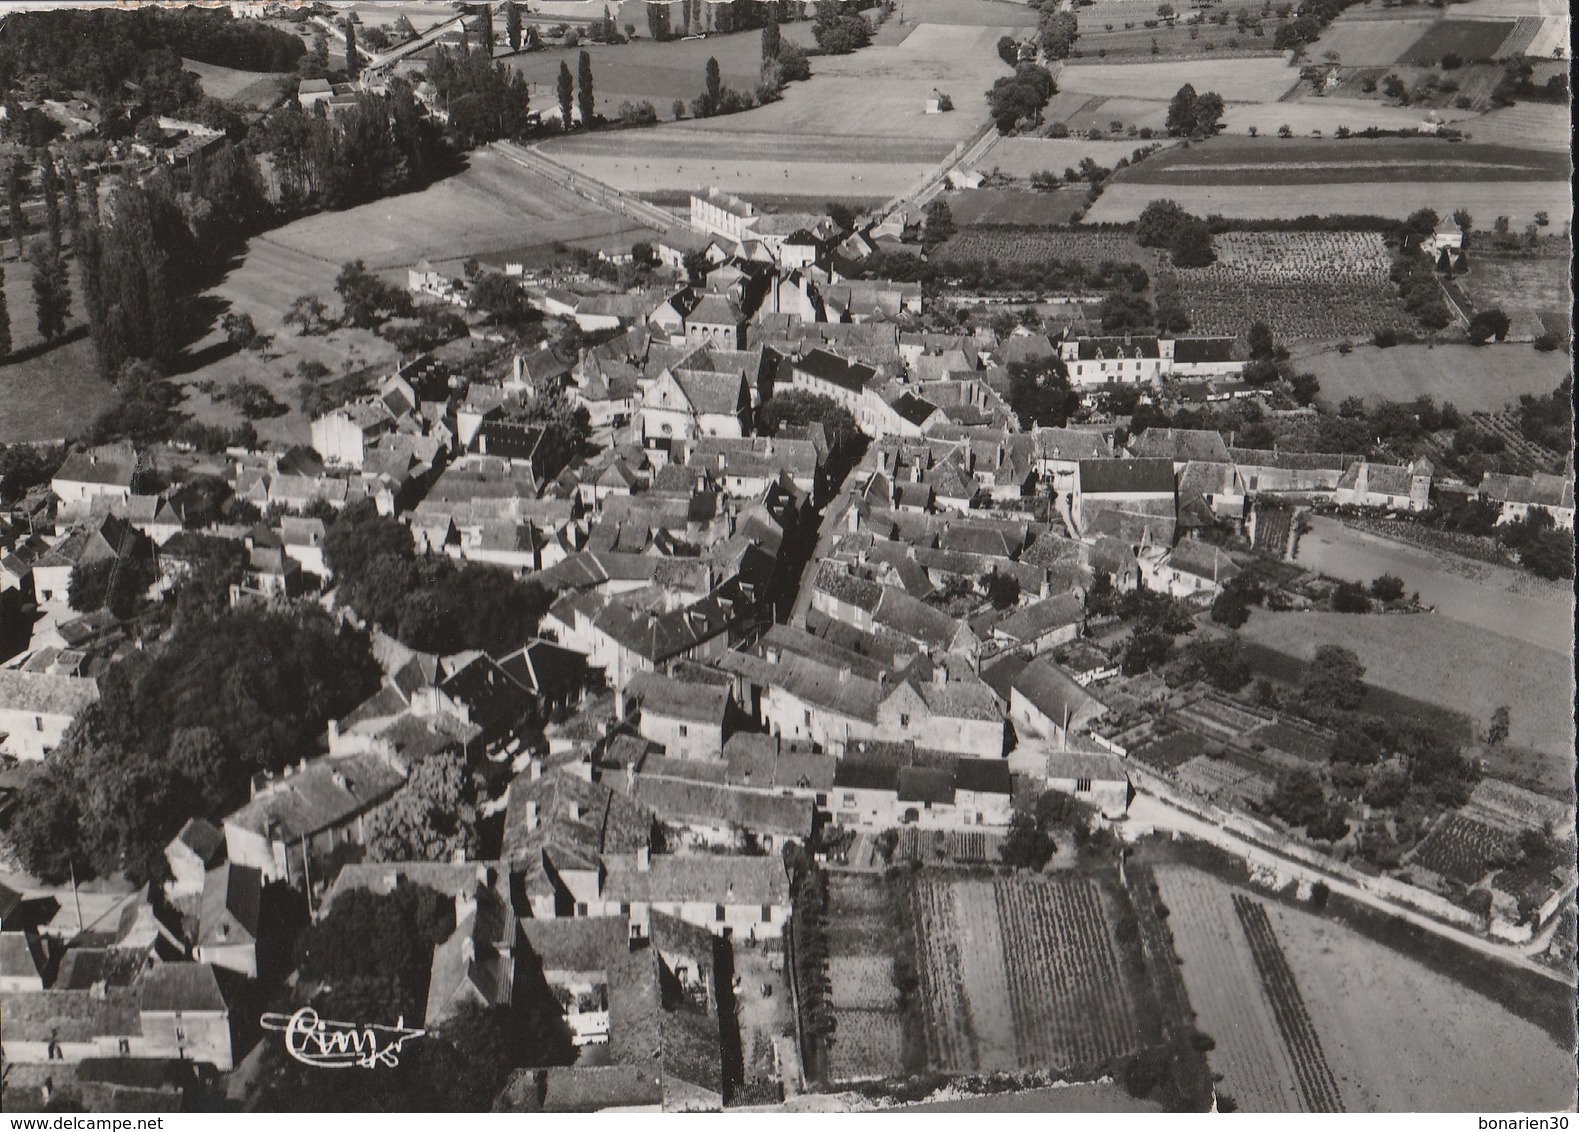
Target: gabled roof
<point>1040,618</point>
<point>1054,693</point>
<point>112,465</point>
<point>665,696</point>
<point>916,410</point>
<point>1127,477</point>
<point>829,367</point>
<point>716,310</point>
<point>184,988</point>
<point>1180,445</point>
<point>718,394</point>
<point>229,911</point>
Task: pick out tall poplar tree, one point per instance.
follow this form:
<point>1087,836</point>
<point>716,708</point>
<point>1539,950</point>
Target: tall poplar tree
<point>567,93</point>
<point>584,88</point>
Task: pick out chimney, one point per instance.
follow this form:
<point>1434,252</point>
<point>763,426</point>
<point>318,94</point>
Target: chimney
<point>643,860</point>
<point>630,778</point>
<point>534,771</point>
<point>575,811</point>
<point>468,950</point>
<point>939,674</point>
<point>531,816</point>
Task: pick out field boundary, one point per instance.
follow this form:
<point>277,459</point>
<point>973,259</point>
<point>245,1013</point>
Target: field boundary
<point>587,187</point>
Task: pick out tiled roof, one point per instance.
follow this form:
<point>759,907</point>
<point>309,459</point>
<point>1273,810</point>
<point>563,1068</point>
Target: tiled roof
<point>180,987</point>
<point>1127,477</point>
<point>1196,351</point>
<point>111,465</point>
<point>661,695</point>
<point>1180,444</point>
<point>848,588</point>
<point>709,803</point>
<point>328,792</point>
<point>820,685</point>
<point>716,394</point>
<point>835,370</point>
<point>1040,618</point>
<point>229,912</point>
<point>68,1016</point>
<point>1052,692</point>
<point>672,879</point>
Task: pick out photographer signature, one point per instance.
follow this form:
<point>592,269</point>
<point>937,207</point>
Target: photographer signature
<point>339,1045</point>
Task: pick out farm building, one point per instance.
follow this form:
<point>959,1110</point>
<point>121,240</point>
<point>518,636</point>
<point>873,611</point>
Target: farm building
<point>687,720</point>
<point>1094,777</point>
<point>227,934</point>
<point>36,709</point>
<point>1144,360</point>
<point>971,793</point>
<point>1046,700</point>
<point>1268,471</point>
<point>1517,496</point>
<point>109,471</point>
<point>1187,569</point>
<point>734,897</point>
<point>1144,486</point>
<point>1397,488</point>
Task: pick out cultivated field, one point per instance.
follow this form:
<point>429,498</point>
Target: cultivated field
<point>1369,43</point>
<point>1122,202</point>
<point>1433,658</point>
<point>670,159</point>
<point>247,88</point>
<point>1468,39</point>
<point>1021,973</point>
<point>1401,1038</point>
<point>1227,993</point>
<point>869,1041</point>
<point>1311,116</point>
<point>1022,157</point>
<point>53,393</point>
<point>1397,1037</point>
<point>654,72</point>
<point>1030,208</point>
<point>1030,245</point>
<point>1263,161</point>
<point>1239,80</point>
<point>1461,849</point>
<point>493,208</point>
<point>1532,125</point>
<point>1475,379</point>
<point>1320,285</point>
<point>1526,289</point>
<point>858,127</point>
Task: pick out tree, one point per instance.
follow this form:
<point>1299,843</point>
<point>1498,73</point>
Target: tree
<point>49,189</point>
<point>512,24</point>
<point>1158,222</point>
<point>1334,678</point>
<point>367,299</point>
<point>1025,846</point>
<point>381,940</point>
<point>584,99</point>
<point>1488,323</point>
<point>1299,798</point>
<point>1387,587</point>
<point>1039,392</point>
<point>1003,590</point>
<point>1262,345</point>
<point>1349,597</point>
<point>430,818</point>
<point>940,221</point>
<point>839,32</point>
<point>772,40</point>
<point>1221,662</point>
<point>1192,244</point>
<point>353,63</point>
<point>1009,50</point>
<point>51,289</point>
<point>567,94</point>
<point>1208,115</point>
<point>1181,112</point>
<point>1021,96</point>
<point>1125,310</point>
<point>1393,87</point>
<point>713,85</point>
<point>1057,31</point>
<point>1147,649</point>
<point>14,194</point>
<point>308,312</point>
<point>1497,731</point>
<point>5,320</point>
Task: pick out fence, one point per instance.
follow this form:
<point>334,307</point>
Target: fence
<point>589,188</point>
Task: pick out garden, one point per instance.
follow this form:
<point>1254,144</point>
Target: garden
<point>1463,849</point>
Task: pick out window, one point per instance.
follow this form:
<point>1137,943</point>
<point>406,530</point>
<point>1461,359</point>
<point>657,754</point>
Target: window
<point>808,717</point>
<point>822,800</point>
<point>767,913</point>
<point>849,801</point>
<point>1082,786</point>
<point>38,723</point>
<point>683,731</point>
<point>625,908</point>
<point>718,912</point>
<point>126,1046</point>
<point>581,908</point>
<point>904,719</point>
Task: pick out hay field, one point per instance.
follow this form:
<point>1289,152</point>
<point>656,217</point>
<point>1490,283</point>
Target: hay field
<point>258,89</point>
<point>1327,114</point>
<point>1021,157</point>
<point>1531,125</point>
<point>1272,161</point>
<point>1122,203</point>
<point>1436,659</point>
<point>1369,43</point>
<point>1398,1036</point>
<point>644,70</point>
<point>1083,112</point>
<point>1237,80</point>
<point>493,207</point>
<point>1469,39</point>
<point>880,92</point>
<point>1521,287</point>
<point>671,159</point>
<point>1476,380</point>
<point>47,394</point>
<point>993,207</point>
<point>1402,1038</point>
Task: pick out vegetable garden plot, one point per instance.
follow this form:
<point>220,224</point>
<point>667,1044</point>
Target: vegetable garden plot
<point>1317,1086</point>
<point>1032,245</point>
<point>1462,849</point>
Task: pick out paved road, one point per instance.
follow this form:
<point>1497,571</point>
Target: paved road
<point>1149,811</point>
